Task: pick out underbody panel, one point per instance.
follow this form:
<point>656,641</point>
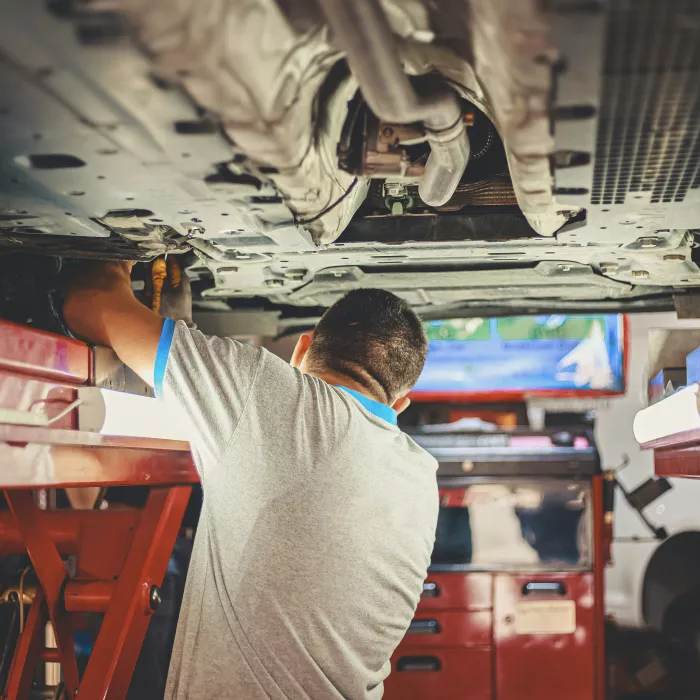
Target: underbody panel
<point>237,135</point>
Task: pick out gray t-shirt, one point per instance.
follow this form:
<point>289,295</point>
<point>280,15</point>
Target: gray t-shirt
<point>315,535</point>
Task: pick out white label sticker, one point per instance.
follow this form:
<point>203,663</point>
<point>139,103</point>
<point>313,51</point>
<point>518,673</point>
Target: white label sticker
<point>545,617</point>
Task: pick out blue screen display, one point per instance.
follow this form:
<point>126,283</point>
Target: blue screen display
<point>525,353</point>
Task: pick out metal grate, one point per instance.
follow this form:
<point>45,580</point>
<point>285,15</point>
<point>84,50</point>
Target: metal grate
<point>649,124</point>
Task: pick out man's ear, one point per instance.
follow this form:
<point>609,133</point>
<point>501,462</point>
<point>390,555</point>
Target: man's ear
<point>401,404</point>
<point>300,350</point>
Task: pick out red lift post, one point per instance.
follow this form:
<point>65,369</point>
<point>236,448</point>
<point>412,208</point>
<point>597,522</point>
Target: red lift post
<point>118,557</point>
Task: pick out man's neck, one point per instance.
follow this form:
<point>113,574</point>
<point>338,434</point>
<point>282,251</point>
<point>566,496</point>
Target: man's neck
<point>336,379</point>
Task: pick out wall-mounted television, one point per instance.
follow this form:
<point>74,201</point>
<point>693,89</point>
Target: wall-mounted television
<point>487,359</point>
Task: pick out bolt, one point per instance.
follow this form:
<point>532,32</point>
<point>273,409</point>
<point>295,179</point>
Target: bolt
<point>675,257</point>
<point>640,274</point>
<point>609,268</point>
<point>154,598</point>
<point>387,132</point>
<point>648,242</point>
<point>467,466</point>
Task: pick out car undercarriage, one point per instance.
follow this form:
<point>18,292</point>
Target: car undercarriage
<point>474,157</point>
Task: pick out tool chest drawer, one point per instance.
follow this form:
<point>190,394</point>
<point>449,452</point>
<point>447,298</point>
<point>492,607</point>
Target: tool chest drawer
<point>545,622</point>
<point>457,591</point>
<point>439,674</point>
<point>449,629</point>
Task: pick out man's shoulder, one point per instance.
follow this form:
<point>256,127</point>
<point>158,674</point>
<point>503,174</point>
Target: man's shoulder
<point>420,453</point>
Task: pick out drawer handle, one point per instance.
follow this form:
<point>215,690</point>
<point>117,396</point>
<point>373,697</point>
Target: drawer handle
<point>548,587</point>
<point>430,590</point>
<point>418,663</point>
<point>423,627</point>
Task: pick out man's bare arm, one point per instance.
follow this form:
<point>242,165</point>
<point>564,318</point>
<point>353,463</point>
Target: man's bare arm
<point>101,308</point>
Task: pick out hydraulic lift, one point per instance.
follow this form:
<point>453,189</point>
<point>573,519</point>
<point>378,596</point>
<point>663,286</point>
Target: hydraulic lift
<point>109,562</point>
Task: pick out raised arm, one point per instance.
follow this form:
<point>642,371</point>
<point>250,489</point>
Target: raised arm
<point>101,308</point>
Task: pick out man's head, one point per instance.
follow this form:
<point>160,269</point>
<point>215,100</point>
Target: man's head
<point>371,337</point>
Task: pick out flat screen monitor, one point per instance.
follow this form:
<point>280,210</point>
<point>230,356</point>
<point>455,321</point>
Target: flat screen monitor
<point>552,355</point>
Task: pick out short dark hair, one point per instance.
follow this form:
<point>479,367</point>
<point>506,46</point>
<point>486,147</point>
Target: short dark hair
<point>375,338</point>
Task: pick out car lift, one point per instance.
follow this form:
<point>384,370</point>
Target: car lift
<point>86,561</point>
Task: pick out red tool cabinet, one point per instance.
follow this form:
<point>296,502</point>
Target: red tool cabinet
<point>512,608</point>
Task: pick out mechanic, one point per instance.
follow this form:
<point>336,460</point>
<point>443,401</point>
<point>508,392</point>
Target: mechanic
<point>319,514</point>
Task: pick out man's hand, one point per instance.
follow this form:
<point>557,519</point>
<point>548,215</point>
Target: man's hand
<point>101,308</point>
<point>176,295</point>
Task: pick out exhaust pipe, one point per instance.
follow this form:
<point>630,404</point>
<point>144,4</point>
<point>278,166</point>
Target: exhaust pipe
<point>362,31</point>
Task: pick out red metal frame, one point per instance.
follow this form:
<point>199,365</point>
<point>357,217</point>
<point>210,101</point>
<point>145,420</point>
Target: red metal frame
<point>29,351</point>
<point>507,396</point>
<point>126,602</point>
<point>119,580</point>
<point>602,542</point>
<point>119,641</point>
<point>31,459</point>
<point>19,681</point>
<point>677,455</point>
<point>52,575</point>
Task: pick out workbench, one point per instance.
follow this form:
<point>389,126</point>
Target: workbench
<point>110,562</point>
